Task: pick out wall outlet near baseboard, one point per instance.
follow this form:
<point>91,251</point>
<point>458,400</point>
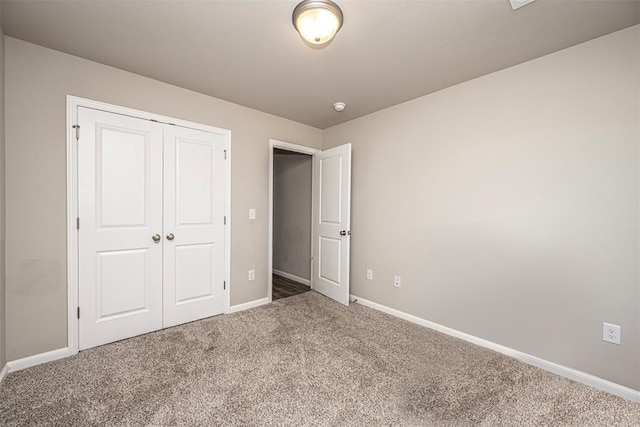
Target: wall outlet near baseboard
<point>611,333</point>
<point>397,281</point>
<point>369,274</point>
<point>252,275</point>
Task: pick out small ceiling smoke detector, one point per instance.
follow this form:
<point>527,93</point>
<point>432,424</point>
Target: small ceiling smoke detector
<point>515,4</point>
<point>339,106</point>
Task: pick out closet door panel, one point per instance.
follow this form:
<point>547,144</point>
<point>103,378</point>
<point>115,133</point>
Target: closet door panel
<point>120,209</point>
<point>194,208</point>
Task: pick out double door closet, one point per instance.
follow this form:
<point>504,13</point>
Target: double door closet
<point>151,239</point>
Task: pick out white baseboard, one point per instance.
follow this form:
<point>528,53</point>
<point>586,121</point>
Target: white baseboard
<point>50,356</point>
<point>292,277</point>
<point>572,374</point>
<point>38,359</point>
<point>4,372</point>
<point>248,305</point>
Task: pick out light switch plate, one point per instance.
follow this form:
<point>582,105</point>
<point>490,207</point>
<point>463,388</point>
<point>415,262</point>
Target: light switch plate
<point>252,214</point>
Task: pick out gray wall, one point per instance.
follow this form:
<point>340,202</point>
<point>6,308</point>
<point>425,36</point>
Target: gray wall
<point>37,82</point>
<point>292,214</point>
<point>509,206</point>
<point>3,358</point>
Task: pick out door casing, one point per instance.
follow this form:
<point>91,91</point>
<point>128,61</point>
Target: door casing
<point>73,103</point>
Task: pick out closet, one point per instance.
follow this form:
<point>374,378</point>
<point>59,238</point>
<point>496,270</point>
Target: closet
<point>151,239</point>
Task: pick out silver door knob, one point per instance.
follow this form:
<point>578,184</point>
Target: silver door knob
<point>170,236</point>
<point>156,238</point>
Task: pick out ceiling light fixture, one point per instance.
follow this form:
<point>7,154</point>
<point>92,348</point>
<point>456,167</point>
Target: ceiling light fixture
<point>339,106</point>
<point>317,21</point>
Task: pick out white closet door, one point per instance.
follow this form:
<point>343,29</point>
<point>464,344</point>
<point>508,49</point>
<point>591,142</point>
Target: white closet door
<point>120,210</point>
<point>332,219</point>
<point>194,206</point>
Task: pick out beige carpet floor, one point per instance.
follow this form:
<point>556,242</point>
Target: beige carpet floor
<point>303,360</point>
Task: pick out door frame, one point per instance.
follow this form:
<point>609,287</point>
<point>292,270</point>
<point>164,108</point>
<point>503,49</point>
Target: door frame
<point>273,144</point>
<point>73,288</point>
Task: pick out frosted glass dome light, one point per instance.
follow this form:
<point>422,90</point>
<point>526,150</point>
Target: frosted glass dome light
<point>317,21</point>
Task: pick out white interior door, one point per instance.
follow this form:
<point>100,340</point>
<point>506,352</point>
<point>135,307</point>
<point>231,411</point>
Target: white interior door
<point>331,216</point>
<point>120,209</point>
<point>194,238</point>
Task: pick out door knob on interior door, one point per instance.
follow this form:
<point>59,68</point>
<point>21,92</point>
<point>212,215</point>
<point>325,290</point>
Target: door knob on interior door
<point>170,236</point>
<point>343,233</point>
<point>156,238</point>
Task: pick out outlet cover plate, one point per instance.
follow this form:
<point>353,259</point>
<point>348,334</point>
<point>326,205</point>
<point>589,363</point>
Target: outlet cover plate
<point>369,274</point>
<point>611,333</point>
<point>397,281</point>
<point>252,275</point>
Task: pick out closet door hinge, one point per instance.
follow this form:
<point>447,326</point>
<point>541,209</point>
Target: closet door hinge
<point>225,220</point>
<point>77,128</point>
<point>78,312</point>
<point>225,154</point>
<point>78,223</point>
<point>224,285</point>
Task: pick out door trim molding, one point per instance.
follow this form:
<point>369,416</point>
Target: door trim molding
<point>273,144</point>
<point>73,103</point>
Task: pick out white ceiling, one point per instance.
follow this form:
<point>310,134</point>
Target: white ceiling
<point>247,52</point>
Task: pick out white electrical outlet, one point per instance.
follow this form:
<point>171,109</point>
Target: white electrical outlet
<point>252,214</point>
<point>611,333</point>
<point>369,274</point>
<point>252,275</point>
<point>397,281</point>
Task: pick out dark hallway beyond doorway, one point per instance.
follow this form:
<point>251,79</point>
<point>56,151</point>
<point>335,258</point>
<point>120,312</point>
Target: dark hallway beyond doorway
<point>283,288</point>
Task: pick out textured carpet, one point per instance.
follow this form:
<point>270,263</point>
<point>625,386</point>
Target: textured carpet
<point>303,360</point>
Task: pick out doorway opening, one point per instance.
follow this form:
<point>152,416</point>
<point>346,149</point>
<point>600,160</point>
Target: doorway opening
<point>291,186</point>
<point>330,234</point>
